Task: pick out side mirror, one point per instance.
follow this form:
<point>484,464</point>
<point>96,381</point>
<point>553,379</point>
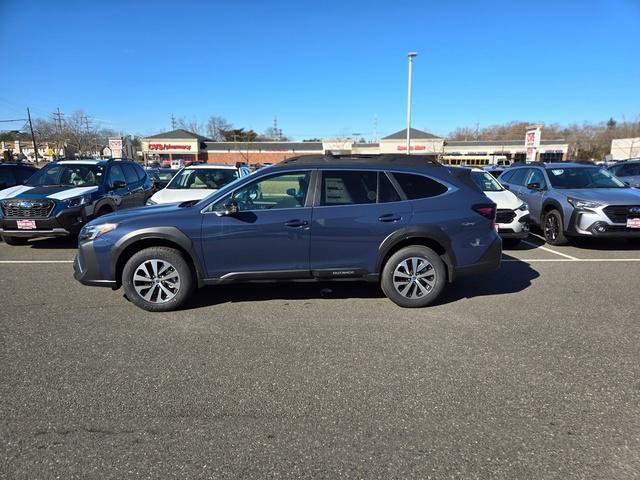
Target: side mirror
<point>534,186</point>
<point>291,192</point>
<point>118,184</point>
<point>230,209</point>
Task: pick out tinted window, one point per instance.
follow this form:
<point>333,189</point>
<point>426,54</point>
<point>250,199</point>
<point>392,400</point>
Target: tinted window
<point>130,173</point>
<point>207,178</point>
<point>486,182</point>
<point>23,173</point>
<point>583,177</point>
<point>519,176</point>
<point>6,177</point>
<point>418,186</point>
<point>67,174</point>
<point>139,171</point>
<point>348,187</point>
<point>506,176</point>
<point>386,191</point>
<point>115,174</point>
<point>288,190</point>
<point>537,177</point>
<point>626,170</point>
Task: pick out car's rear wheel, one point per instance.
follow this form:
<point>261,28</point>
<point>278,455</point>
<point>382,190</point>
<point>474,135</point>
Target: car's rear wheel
<point>413,277</point>
<point>158,279</point>
<point>14,240</point>
<point>553,228</point>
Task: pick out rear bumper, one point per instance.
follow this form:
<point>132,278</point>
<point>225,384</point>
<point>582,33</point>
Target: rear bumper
<point>86,268</point>
<point>489,262</point>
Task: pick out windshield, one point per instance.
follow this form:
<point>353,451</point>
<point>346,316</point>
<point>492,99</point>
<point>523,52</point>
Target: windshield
<point>203,178</point>
<point>583,177</point>
<point>78,175</point>
<point>486,182</point>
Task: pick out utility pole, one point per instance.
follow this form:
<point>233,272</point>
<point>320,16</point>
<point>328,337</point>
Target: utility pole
<point>411,56</point>
<point>174,124</point>
<point>33,137</point>
<point>58,122</point>
<point>375,129</point>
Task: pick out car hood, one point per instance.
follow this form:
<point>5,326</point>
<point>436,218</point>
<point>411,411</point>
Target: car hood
<point>121,216</point>
<point>504,199</point>
<point>173,195</point>
<point>613,196</point>
<point>54,192</point>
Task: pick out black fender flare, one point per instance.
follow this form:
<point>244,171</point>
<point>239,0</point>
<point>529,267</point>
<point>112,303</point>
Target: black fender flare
<point>556,205</point>
<point>105,201</point>
<point>425,232</point>
<point>168,233</point>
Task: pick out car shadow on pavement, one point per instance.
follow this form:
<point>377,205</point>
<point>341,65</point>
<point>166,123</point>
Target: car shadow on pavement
<point>512,277</point>
<point>59,243</point>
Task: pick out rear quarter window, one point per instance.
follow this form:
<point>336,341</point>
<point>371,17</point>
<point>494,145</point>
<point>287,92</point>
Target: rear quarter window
<point>419,186</point>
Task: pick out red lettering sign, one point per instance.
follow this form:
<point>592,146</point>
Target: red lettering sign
<point>168,146</point>
<point>413,147</point>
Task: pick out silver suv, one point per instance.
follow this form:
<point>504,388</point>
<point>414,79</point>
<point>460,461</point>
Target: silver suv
<point>574,199</point>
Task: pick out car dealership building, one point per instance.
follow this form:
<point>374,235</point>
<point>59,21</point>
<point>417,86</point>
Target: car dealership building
<point>181,144</point>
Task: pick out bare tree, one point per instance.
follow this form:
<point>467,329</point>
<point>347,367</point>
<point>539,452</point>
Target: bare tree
<point>193,125</point>
<point>216,126</point>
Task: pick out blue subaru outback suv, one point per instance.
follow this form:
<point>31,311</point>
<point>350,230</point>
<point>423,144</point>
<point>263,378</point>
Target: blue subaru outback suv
<point>60,198</point>
<point>400,220</point>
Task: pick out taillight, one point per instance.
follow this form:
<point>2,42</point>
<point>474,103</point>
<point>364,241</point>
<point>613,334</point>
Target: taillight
<point>487,211</point>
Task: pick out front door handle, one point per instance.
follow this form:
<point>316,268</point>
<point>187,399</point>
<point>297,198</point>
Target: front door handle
<point>389,217</point>
<point>296,223</point>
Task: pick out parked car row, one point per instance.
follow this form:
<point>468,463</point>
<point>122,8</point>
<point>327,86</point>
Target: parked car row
<point>411,225</point>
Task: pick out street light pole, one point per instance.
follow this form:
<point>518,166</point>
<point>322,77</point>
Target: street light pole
<point>410,55</point>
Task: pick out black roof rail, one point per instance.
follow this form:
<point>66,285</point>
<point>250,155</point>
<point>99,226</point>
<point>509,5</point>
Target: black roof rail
<point>387,158</point>
<point>584,162</point>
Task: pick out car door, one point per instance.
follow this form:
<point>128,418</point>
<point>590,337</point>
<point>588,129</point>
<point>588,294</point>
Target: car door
<point>355,210</point>
<point>268,236</point>
<point>137,196</point>
<point>534,196</point>
<point>117,187</point>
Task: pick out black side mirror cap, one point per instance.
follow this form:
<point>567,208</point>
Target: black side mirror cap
<point>534,186</point>
<point>118,184</point>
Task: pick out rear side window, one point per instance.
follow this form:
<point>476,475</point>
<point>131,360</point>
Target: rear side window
<point>518,176</point>
<point>130,173</point>
<point>348,188</point>
<point>418,186</point>
<point>386,191</point>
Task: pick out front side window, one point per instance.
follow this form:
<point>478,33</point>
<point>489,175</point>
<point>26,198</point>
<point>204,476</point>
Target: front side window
<point>116,175</point>
<point>486,182</point>
<point>419,186</point>
<point>130,174</point>
<point>537,177</point>
<point>518,176</point>
<point>203,178</point>
<point>287,190</point>
<point>583,177</point>
<point>79,175</point>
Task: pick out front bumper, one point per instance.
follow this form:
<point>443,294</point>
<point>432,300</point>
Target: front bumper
<point>517,228</point>
<point>65,223</point>
<point>87,268</point>
<point>597,224</point>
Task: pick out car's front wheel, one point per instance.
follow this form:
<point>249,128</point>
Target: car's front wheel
<point>553,228</point>
<point>14,240</point>
<point>158,279</point>
<point>413,277</point>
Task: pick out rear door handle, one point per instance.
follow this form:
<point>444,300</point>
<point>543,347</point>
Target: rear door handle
<point>389,217</point>
<point>296,223</point>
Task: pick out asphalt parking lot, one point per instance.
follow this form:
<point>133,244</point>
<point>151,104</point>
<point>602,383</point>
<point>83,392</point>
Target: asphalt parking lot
<point>528,372</point>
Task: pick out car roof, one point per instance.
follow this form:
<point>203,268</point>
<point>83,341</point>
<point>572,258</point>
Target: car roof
<point>82,162</point>
<point>209,165</point>
<point>379,161</point>
<point>553,165</point>
<point>14,164</point>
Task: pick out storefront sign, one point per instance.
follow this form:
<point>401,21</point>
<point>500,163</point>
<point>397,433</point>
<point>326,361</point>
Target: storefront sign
<point>412,148</point>
<point>532,142</point>
<point>168,146</point>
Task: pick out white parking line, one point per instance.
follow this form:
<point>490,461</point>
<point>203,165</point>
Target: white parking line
<point>35,261</point>
<point>566,260</point>
<point>550,251</point>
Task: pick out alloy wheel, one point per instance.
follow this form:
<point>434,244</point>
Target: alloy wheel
<point>156,281</point>
<point>414,277</point>
<point>551,227</point>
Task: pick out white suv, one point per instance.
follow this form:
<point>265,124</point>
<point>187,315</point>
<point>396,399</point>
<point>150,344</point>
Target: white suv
<point>197,182</point>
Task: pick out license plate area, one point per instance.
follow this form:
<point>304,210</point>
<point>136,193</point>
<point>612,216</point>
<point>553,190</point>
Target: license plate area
<point>26,224</point>
<point>633,223</point>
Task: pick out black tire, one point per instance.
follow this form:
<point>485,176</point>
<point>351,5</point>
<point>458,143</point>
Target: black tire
<point>511,242</point>
<point>413,295</point>
<point>14,240</point>
<point>157,301</point>
<point>553,229</point>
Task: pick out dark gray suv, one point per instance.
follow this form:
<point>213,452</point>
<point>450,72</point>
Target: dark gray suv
<point>574,199</point>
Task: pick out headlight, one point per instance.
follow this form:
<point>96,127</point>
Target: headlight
<point>151,202</point>
<point>78,201</point>
<point>91,232</point>
<point>583,204</point>
<point>523,207</point>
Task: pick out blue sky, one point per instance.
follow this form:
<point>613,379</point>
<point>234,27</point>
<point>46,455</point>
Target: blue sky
<point>324,68</point>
